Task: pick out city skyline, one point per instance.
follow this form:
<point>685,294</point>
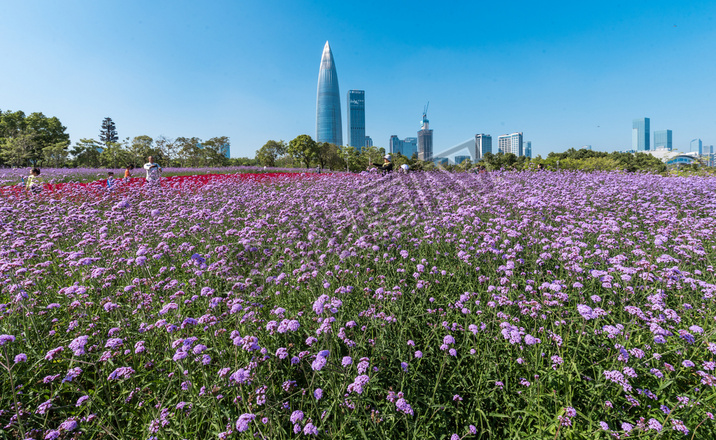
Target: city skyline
<point>214,70</point>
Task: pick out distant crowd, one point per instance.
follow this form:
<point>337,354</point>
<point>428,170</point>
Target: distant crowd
<point>34,183</point>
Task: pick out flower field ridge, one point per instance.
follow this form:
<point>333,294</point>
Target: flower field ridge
<point>429,305</point>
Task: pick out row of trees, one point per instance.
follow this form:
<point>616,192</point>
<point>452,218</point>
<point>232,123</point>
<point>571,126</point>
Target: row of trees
<point>180,152</point>
<point>303,151</point>
<point>38,140</point>
<point>31,139</point>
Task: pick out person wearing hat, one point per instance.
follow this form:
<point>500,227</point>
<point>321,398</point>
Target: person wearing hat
<point>387,165</point>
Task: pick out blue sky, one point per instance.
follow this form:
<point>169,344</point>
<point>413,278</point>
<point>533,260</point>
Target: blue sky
<point>565,74</point>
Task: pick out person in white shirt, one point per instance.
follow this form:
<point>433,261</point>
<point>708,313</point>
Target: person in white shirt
<point>154,171</point>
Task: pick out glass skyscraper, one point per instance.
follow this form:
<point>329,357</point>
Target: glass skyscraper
<point>406,147</point>
<point>356,118</point>
<point>696,145</point>
<point>663,139</point>
<point>510,143</point>
<point>528,149</point>
<point>640,135</point>
<point>483,144</point>
<point>328,101</point>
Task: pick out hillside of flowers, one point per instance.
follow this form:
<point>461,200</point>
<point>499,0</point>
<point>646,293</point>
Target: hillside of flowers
<point>523,305</point>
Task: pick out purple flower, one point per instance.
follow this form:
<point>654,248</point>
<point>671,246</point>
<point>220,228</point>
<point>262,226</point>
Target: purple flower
<point>346,361</point>
<point>402,406</point>
<point>296,417</point>
<point>586,312</point>
<point>318,363</point>
<point>78,345</point>
<point>358,383</point>
<point>243,423</point>
<point>81,400</point>
<point>318,393</point>
<point>282,353</point>
<point>44,406</point>
<point>22,357</point>
<point>69,425</point>
<point>6,338</point>
<point>121,373</point>
<point>310,429</point>
<point>655,425</point>
<point>52,353</point>
<point>114,343</point>
<point>52,434</point>
<point>687,363</point>
<point>72,374</point>
<point>240,376</point>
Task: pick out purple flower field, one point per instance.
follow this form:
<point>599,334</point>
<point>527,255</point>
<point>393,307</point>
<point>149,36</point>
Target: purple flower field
<point>429,305</point>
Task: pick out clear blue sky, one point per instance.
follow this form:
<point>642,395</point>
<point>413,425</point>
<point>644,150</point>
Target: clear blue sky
<point>566,74</point>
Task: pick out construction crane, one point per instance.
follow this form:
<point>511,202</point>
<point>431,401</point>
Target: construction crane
<point>424,122</point>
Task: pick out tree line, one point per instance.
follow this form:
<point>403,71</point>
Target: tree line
<point>305,152</point>
<point>38,140</point>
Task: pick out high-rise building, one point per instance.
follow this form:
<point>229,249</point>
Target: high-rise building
<point>368,141</point>
<point>406,147</point>
<point>483,144</point>
<point>425,140</point>
<point>528,149</point>
<point>356,118</point>
<point>663,139</point>
<point>328,101</point>
<point>510,143</point>
<point>461,159</point>
<point>696,145</point>
<point>640,135</point>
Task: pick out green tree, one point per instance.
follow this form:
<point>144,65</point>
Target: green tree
<point>304,149</point>
<point>270,152</point>
<point>17,150</point>
<point>36,131</point>
<point>86,153</point>
<point>114,155</point>
<point>212,151</point>
<point>329,156</point>
<point>140,148</point>
<point>168,147</point>
<point>108,132</point>
<point>351,158</point>
<point>188,151</point>
<point>56,155</point>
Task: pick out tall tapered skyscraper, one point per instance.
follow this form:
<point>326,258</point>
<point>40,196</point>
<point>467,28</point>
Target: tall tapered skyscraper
<point>328,101</point>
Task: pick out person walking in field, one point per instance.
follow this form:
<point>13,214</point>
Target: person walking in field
<point>34,181</point>
<point>387,165</point>
<point>127,173</point>
<point>154,171</point>
<point>110,180</point>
